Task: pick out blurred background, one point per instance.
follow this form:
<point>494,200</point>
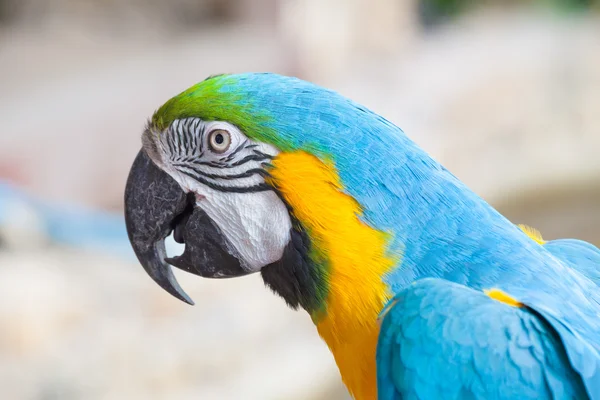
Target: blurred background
<point>505,93</point>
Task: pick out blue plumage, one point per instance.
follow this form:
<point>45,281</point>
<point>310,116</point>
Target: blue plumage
<point>444,338</point>
<point>579,255</point>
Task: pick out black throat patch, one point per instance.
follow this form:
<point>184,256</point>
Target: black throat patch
<point>298,279</point>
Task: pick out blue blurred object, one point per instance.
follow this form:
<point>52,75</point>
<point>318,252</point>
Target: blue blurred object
<point>68,225</point>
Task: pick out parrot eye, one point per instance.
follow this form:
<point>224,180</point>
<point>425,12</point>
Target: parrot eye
<point>219,140</point>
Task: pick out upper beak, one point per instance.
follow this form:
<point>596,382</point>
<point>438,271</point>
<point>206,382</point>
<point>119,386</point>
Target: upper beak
<point>155,205</point>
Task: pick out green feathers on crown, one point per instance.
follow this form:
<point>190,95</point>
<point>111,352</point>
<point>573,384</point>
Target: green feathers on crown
<point>240,100</point>
<point>216,98</point>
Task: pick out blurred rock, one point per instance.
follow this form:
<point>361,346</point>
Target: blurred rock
<point>78,325</point>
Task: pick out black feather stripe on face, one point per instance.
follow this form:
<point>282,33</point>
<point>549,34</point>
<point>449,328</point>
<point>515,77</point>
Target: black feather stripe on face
<point>241,170</point>
<point>261,187</point>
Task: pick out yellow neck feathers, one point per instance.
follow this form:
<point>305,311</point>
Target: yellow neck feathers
<point>356,261</point>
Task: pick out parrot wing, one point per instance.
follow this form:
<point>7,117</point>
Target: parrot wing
<point>441,340</point>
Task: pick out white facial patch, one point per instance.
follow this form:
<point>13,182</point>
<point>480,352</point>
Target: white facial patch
<point>256,224</point>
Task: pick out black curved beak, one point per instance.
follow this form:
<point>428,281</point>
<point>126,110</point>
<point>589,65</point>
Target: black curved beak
<point>155,205</point>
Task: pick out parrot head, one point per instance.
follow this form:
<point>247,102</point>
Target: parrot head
<point>258,172</point>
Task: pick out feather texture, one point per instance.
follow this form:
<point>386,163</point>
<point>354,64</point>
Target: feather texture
<point>442,340</point>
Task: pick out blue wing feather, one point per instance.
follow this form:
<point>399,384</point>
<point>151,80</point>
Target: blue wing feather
<point>446,341</point>
<point>583,356</point>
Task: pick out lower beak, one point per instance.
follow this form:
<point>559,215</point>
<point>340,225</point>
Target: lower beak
<point>155,205</point>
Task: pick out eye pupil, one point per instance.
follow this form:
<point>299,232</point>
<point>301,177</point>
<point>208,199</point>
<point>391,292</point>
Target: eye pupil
<point>219,139</point>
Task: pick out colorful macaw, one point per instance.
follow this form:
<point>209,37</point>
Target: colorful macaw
<point>419,287</point>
